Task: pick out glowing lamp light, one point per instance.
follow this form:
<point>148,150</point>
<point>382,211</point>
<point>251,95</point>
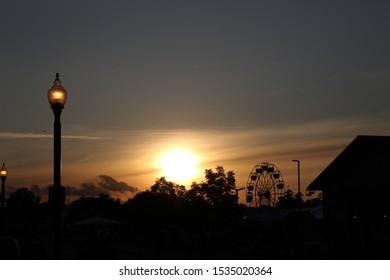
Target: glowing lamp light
<point>57,94</point>
<point>3,172</point>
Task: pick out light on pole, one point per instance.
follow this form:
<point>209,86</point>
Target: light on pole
<point>299,177</point>
<point>57,96</point>
<point>3,176</point>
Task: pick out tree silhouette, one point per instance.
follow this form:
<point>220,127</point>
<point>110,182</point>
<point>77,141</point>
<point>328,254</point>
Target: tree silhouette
<point>103,206</point>
<point>155,209</point>
<point>164,187</point>
<point>23,203</point>
<point>195,194</point>
<point>218,189</point>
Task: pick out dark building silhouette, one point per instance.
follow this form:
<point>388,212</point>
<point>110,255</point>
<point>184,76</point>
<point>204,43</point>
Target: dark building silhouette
<point>356,199</point>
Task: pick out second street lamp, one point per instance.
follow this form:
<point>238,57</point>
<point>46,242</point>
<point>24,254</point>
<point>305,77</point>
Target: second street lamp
<point>57,96</point>
<point>3,176</point>
<point>299,177</point>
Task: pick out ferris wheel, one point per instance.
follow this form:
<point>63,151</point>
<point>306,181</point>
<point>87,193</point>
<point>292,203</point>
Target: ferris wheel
<point>265,185</point>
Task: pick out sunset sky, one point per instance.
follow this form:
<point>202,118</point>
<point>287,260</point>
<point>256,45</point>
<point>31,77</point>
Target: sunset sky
<point>232,83</point>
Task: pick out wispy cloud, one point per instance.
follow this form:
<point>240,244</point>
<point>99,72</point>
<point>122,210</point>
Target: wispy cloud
<point>20,135</point>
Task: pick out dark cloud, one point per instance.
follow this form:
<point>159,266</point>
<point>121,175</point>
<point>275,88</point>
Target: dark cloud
<point>110,184</point>
<point>105,185</point>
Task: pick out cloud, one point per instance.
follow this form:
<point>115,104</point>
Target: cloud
<point>20,135</point>
<point>110,184</point>
<point>105,184</point>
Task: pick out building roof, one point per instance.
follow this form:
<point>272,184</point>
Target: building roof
<point>363,163</point>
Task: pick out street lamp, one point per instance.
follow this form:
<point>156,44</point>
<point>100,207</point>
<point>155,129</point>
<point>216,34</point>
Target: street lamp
<point>299,177</point>
<point>237,190</point>
<point>3,176</point>
<point>57,96</point>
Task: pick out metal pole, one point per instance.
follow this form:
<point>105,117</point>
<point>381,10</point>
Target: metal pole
<point>56,195</point>
<point>299,176</point>
<point>57,146</point>
<point>299,179</point>
<point>237,190</point>
<point>2,194</point>
<point>2,204</point>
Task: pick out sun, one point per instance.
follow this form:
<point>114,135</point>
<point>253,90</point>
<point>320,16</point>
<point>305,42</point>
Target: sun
<point>179,166</point>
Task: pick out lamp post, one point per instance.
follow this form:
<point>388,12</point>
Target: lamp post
<point>299,177</point>
<point>237,190</point>
<point>57,96</point>
<point>3,176</point>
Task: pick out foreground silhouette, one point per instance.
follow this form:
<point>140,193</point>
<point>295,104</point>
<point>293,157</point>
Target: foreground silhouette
<point>170,222</point>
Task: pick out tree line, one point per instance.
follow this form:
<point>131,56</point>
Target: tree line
<point>212,200</point>
<point>164,202</point>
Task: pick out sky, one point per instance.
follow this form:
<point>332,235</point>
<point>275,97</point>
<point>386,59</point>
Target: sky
<point>233,83</point>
